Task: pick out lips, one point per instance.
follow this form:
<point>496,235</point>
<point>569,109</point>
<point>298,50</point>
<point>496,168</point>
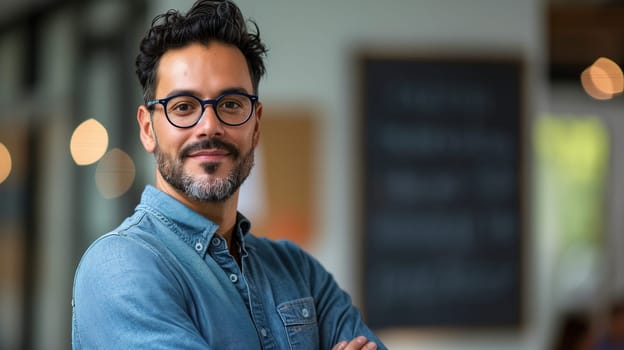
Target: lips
<point>209,154</point>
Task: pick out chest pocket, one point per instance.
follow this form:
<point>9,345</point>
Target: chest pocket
<point>299,318</point>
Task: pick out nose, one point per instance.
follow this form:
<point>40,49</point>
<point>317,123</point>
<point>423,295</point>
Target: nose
<point>209,125</point>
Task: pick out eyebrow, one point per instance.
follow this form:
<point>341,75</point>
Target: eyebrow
<point>196,93</point>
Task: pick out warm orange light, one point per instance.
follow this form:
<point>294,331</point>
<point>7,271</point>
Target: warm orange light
<point>88,142</point>
<point>591,89</point>
<point>607,76</point>
<point>600,79</point>
<point>5,163</point>
<point>114,173</point>
<point>603,79</point>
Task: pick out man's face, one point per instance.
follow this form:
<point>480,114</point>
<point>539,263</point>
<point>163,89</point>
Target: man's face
<point>209,161</point>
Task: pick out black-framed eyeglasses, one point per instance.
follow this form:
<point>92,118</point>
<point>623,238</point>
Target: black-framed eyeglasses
<point>185,110</point>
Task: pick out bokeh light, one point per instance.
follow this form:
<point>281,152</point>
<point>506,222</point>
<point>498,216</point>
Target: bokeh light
<point>88,142</point>
<point>603,79</point>
<point>5,163</point>
<point>608,76</point>
<point>114,173</point>
<point>590,88</point>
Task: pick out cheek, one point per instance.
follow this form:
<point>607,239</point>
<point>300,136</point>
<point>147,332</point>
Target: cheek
<point>167,140</point>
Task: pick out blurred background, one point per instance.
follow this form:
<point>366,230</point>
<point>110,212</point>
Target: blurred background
<point>507,238</point>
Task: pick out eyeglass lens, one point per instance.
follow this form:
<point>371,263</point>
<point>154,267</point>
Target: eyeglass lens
<point>231,109</point>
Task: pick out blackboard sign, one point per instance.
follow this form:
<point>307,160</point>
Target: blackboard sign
<point>442,172</point>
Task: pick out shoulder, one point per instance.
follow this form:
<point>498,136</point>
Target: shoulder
<point>109,259</point>
<point>130,241</point>
<point>115,248</point>
<point>121,244</point>
<point>123,257</point>
<point>124,285</point>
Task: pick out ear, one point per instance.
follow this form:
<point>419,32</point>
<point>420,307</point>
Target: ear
<point>146,129</point>
<point>256,131</point>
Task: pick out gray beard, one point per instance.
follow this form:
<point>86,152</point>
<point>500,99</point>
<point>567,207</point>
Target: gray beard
<point>209,190</point>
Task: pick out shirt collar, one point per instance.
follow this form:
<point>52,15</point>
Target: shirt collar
<point>190,226</point>
<point>242,228</point>
<point>242,223</point>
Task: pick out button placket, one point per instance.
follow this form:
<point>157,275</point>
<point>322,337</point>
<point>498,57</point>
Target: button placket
<point>199,246</point>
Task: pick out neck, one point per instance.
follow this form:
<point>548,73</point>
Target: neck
<point>221,213</point>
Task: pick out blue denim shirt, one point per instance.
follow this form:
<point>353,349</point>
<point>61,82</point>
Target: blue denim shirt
<point>165,280</point>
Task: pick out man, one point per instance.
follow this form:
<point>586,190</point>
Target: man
<point>184,272</point>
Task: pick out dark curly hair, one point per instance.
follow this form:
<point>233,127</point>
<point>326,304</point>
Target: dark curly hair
<point>207,20</point>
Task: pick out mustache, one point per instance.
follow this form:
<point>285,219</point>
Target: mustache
<point>210,144</point>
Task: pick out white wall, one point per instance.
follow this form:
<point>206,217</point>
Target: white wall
<point>313,46</point>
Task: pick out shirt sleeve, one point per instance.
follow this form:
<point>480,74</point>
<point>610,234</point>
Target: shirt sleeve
<point>338,318</point>
<point>125,297</point>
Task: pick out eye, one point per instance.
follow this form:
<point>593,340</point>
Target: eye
<point>183,105</point>
<point>230,103</point>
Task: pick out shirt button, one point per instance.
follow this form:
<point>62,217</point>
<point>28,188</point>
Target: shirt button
<point>199,246</point>
<point>233,278</point>
<point>216,242</point>
<point>305,312</point>
<point>264,332</point>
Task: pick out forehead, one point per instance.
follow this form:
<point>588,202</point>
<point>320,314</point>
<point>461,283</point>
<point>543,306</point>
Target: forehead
<point>205,70</point>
